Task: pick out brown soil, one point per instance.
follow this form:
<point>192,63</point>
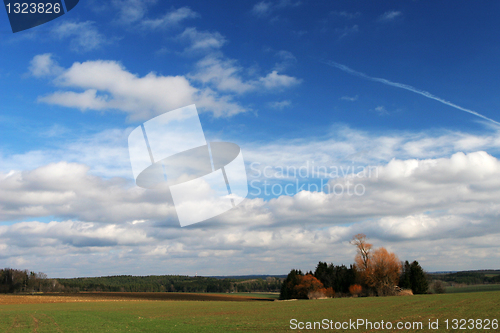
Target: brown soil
<point>120,296</point>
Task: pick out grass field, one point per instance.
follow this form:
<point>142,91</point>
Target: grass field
<point>82,313</point>
<point>473,288</point>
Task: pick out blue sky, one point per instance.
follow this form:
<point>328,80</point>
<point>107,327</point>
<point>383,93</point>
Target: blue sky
<point>281,79</point>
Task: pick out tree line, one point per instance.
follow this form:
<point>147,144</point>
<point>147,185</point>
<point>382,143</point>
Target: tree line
<point>468,278</point>
<point>374,272</point>
<point>17,281</point>
<point>171,283</point>
<point>24,281</point>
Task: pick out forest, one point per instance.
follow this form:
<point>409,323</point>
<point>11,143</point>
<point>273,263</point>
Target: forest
<point>468,277</point>
<point>18,281</point>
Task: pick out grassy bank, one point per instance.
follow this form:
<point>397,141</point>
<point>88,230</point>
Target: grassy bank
<point>255,316</point>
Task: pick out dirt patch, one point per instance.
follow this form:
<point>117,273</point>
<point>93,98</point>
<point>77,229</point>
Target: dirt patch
<point>53,321</point>
<point>121,296</point>
<point>14,324</point>
<point>35,321</point>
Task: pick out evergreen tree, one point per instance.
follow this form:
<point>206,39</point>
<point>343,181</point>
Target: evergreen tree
<point>324,273</point>
<point>418,279</point>
<point>339,278</point>
<point>292,280</point>
<point>404,280</point>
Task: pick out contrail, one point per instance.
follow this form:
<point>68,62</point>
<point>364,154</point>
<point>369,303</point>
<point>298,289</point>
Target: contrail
<point>406,87</point>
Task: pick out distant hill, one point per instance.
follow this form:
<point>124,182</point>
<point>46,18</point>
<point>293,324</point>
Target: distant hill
<point>485,276</point>
<point>174,283</point>
<point>481,271</point>
<point>248,277</point>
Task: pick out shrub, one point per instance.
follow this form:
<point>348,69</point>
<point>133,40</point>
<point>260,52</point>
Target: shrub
<point>355,290</point>
<point>438,287</point>
<point>307,284</point>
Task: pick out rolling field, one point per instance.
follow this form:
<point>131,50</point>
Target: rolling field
<point>131,312</point>
<point>473,288</point>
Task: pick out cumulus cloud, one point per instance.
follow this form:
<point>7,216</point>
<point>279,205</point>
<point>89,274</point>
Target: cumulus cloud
<point>465,183</point>
<point>389,16</point>
<point>461,185</point>
<point>418,208</point>
<point>108,85</point>
<point>201,41</point>
<point>346,15</point>
<point>84,35</point>
<point>287,59</point>
<point>170,19</point>
<point>381,110</point>
<point>280,105</point>
<point>430,204</point>
<point>222,73</point>
<point>44,65</point>
<point>350,99</point>
<point>262,8</point>
<point>225,75</point>
<point>274,80</point>
<point>67,190</point>
<point>265,8</point>
<point>130,11</point>
<point>346,31</point>
<point>69,248</point>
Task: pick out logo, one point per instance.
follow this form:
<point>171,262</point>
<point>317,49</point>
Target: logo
<point>204,178</point>
<point>32,13</point>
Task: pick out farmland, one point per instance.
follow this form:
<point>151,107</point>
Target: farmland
<point>170,312</point>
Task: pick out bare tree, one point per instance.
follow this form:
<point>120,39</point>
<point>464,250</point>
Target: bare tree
<point>364,250</point>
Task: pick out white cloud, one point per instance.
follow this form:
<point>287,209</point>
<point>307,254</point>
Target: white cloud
<point>108,85</point>
<point>84,101</point>
<point>350,99</point>
<point>225,75</point>
<point>417,208</point>
<point>346,31</point>
<point>429,209</point>
<point>202,41</point>
<point>222,73</point>
<point>43,65</point>
<point>287,60</point>
<point>84,35</point>
<point>280,105</point>
<point>130,11</point>
<point>67,190</point>
<point>389,16</point>
<point>346,15</point>
<point>106,152</point>
<point>457,186</point>
<point>381,110</point>
<point>68,249</point>
<point>265,8</point>
<point>262,8</point>
<point>274,80</point>
<point>170,19</point>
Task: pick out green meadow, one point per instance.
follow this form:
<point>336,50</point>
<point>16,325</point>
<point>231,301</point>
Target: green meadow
<point>473,288</point>
<point>248,316</point>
